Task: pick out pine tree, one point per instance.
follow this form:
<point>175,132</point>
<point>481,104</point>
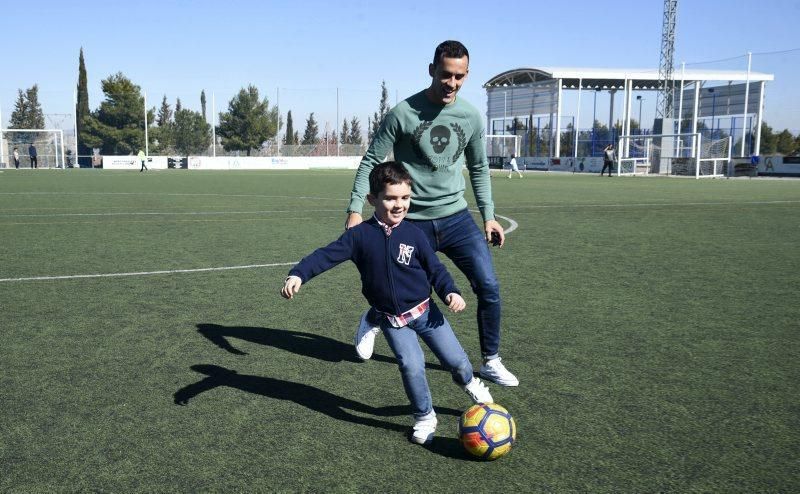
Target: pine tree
<point>249,121</point>
<point>178,106</point>
<point>768,139</point>
<point>383,109</point>
<point>82,112</point>
<point>311,134</point>
<point>27,112</point>
<point>345,133</point>
<point>784,142</point>
<point>117,126</point>
<point>164,113</point>
<point>18,115</point>
<point>203,103</point>
<point>289,138</point>
<point>36,113</point>
<point>192,133</point>
<point>162,137</point>
<point>355,132</point>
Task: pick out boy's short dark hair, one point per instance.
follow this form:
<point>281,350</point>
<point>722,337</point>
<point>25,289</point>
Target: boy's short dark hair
<point>391,173</point>
<point>449,49</point>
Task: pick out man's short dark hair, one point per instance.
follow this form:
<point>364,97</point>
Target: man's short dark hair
<point>449,49</point>
<point>391,173</point>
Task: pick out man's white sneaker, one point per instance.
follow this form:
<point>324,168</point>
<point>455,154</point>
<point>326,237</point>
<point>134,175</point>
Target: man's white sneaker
<point>424,428</point>
<point>494,370</point>
<point>478,391</point>
<point>365,337</point>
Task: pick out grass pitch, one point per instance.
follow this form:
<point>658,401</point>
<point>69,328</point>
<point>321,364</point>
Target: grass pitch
<point>653,324</point>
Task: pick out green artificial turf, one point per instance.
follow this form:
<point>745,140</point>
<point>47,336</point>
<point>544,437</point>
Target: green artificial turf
<point>653,324</point>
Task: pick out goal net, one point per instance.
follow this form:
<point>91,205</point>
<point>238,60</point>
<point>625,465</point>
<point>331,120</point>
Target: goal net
<point>48,145</point>
<point>715,154</point>
<point>499,148</point>
<point>675,154</point>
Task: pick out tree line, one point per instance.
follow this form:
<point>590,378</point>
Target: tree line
<point>117,125</point>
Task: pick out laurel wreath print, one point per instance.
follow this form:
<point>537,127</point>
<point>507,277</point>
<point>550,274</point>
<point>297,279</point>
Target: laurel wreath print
<point>462,140</point>
<point>417,137</point>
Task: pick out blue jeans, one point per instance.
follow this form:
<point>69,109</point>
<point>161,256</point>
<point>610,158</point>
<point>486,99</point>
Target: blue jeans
<point>460,239</point>
<point>436,332</point>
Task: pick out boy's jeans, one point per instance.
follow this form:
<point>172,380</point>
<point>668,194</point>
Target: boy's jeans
<point>436,332</point>
<point>460,239</point>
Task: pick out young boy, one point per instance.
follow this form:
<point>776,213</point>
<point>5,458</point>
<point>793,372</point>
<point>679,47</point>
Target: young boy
<point>398,268</point>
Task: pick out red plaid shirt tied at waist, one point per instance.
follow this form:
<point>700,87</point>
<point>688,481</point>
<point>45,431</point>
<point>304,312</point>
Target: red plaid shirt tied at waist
<point>408,316</point>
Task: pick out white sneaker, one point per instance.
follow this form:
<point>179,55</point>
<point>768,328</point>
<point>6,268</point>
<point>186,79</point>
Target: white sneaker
<point>424,429</point>
<point>478,391</point>
<point>365,337</point>
<point>495,371</point>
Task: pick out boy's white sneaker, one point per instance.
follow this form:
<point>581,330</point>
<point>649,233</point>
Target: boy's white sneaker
<point>494,370</point>
<point>478,391</point>
<point>365,337</point>
<point>424,429</point>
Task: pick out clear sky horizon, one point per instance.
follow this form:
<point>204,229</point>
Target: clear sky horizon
<point>299,53</point>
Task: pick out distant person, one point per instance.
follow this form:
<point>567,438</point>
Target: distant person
<point>142,158</point>
<point>398,268</point>
<point>33,156</point>
<point>608,159</point>
<point>513,164</point>
<point>16,158</point>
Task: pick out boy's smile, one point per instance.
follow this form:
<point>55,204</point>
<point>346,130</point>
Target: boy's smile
<point>391,205</point>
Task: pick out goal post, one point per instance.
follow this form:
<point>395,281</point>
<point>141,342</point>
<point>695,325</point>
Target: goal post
<point>674,154</point>
<point>688,155</point>
<point>49,144</point>
<point>713,158</point>
<point>500,147</point>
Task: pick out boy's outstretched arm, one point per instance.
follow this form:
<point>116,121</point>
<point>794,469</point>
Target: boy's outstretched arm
<point>291,286</point>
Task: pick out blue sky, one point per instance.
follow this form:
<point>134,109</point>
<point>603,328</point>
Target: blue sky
<point>302,51</point>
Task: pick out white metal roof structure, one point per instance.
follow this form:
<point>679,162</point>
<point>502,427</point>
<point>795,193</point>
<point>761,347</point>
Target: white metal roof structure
<point>593,77</point>
<point>529,91</point>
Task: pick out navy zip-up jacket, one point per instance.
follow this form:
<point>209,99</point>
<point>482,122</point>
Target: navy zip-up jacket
<point>397,271</point>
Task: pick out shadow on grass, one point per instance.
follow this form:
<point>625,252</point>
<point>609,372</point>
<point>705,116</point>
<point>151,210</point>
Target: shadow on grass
<point>306,344</point>
<point>321,401</point>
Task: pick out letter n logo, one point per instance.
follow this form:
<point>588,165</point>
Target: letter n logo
<point>405,254</point>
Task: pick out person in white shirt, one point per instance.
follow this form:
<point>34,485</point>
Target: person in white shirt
<point>514,168</point>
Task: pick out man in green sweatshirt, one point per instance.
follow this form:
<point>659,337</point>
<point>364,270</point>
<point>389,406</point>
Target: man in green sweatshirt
<point>434,134</point>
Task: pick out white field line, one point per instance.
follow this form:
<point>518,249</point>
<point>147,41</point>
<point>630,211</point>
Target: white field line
<point>513,226</point>
<point>168,213</point>
<point>147,273</point>
<point>649,204</point>
<point>178,194</point>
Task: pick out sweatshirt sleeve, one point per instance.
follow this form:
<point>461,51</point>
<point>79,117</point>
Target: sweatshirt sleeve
<point>478,168</point>
<point>325,258</point>
<point>378,150</point>
<point>438,277</point>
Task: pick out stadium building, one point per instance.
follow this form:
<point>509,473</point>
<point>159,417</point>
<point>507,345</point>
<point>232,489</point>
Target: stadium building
<point>532,103</point>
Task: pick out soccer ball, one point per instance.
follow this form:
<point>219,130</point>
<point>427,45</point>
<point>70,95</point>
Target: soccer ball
<point>487,431</point>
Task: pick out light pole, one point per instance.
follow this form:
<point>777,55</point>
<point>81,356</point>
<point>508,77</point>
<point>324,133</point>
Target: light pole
<point>713,109</point>
<point>640,99</point>
<point>594,116</point>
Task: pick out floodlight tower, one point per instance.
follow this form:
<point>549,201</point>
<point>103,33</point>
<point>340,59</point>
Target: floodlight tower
<point>664,122</point>
<point>665,80</point>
